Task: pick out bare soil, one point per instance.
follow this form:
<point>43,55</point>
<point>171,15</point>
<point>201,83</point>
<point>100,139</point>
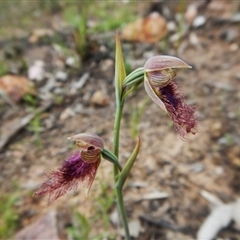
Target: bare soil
<point>208,160</point>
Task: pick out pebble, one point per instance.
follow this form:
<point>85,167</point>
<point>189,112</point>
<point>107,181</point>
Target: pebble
<point>171,26</point>
<point>49,122</point>
<point>199,21</point>
<point>107,65</point>
<point>30,185</point>
<point>80,83</point>
<point>51,83</point>
<point>135,228</point>
<point>219,170</point>
<point>233,47</point>
<point>78,108</point>
<point>62,76</point>
<point>236,214</point>
<point>70,61</point>
<point>102,49</point>
<point>155,195</point>
<point>59,91</point>
<point>227,140</point>
<point>100,99</point>
<point>68,112</point>
<point>229,35</point>
<point>194,40</point>
<point>191,13</point>
<point>36,71</point>
<point>197,167</point>
<point>235,18</point>
<point>114,217</point>
<point>216,129</point>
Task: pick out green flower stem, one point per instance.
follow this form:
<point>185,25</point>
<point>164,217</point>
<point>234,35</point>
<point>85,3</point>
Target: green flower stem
<point>122,211</point>
<point>134,76</point>
<point>118,187</point>
<point>117,124</point>
<point>134,86</point>
<point>120,75</point>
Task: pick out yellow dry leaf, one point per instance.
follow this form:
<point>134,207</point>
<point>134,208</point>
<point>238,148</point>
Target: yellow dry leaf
<point>16,86</point>
<point>150,29</point>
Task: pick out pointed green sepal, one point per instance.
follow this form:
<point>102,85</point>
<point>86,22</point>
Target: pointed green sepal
<point>120,72</point>
<point>128,166</point>
<point>106,154</point>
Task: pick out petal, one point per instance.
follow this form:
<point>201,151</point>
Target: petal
<point>153,95</point>
<point>161,62</point>
<point>90,155</point>
<point>90,181</point>
<point>160,78</point>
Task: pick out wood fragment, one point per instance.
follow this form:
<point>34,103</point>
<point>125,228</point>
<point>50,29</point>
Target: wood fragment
<point>20,123</point>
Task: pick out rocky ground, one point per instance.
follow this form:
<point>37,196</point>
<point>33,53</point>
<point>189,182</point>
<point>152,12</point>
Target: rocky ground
<point>174,183</point>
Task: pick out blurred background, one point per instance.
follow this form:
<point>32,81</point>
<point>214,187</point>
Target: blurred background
<point>56,80</point>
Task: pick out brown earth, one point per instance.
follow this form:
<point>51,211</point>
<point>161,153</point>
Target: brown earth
<point>208,160</point>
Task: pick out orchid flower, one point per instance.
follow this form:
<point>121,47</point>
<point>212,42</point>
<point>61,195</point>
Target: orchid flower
<point>164,91</point>
<point>81,166</point>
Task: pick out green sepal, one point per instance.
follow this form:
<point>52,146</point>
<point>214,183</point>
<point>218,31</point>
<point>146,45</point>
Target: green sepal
<point>120,72</point>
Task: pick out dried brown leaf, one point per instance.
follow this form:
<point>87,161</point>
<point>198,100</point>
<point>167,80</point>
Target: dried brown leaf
<point>150,29</point>
<point>16,86</point>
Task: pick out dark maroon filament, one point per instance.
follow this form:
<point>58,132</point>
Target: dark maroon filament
<point>67,177</point>
<point>182,115</point>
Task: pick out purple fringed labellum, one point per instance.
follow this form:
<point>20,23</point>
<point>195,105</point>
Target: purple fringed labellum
<point>158,81</point>
<point>81,167</point>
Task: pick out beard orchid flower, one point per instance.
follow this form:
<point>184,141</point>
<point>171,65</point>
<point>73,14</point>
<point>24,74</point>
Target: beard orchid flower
<point>159,72</point>
<point>81,166</point>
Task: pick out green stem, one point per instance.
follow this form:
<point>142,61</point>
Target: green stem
<point>122,211</point>
<point>118,187</point>
<point>117,124</point>
<point>120,75</point>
